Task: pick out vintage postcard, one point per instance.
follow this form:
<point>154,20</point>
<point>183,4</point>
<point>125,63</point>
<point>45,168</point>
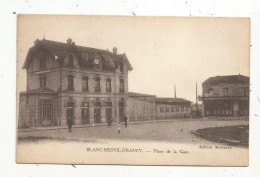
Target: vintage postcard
<point>132,90</point>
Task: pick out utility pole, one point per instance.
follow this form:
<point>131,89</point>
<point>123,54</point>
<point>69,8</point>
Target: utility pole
<point>196,100</point>
<point>174,91</point>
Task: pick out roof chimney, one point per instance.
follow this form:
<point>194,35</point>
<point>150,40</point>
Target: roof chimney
<point>36,42</point>
<point>115,50</point>
<point>69,41</point>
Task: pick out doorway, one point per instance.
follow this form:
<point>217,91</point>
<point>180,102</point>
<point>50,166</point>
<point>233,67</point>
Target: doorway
<point>97,115</point>
<point>85,115</point>
<point>121,114</point>
<point>108,114</point>
<point>45,112</point>
<point>70,114</point>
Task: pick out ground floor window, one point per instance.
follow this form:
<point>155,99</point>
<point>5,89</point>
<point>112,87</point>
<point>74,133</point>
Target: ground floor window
<point>121,111</point>
<point>161,109</point>
<point>85,113</point>
<point>243,108</point>
<point>219,108</point>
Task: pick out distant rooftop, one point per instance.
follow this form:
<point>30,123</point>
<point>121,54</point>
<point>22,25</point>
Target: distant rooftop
<point>226,79</point>
<point>171,100</point>
<point>133,94</point>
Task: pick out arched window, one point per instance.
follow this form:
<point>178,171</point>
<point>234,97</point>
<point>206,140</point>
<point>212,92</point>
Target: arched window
<point>245,91</point>
<point>225,91</point>
<point>210,91</point>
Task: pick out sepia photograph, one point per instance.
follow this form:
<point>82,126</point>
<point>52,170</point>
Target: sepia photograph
<point>133,90</point>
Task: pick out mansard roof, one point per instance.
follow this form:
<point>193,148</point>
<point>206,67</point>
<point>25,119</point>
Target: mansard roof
<point>230,79</point>
<point>59,50</point>
<point>171,100</point>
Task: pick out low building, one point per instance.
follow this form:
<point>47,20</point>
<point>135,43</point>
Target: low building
<point>149,107</point>
<point>225,96</point>
<point>171,108</point>
<point>141,107</point>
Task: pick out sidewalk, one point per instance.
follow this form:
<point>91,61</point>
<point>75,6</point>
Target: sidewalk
<point>89,125</point>
<point>31,129</point>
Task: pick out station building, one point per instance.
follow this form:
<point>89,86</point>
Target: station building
<point>65,80</point>
<point>87,85</point>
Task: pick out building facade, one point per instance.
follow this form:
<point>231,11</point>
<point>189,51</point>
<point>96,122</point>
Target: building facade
<point>225,96</point>
<point>141,107</point>
<point>69,81</point>
<point>149,107</point>
<point>172,108</point>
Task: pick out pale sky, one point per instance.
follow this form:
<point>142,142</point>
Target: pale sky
<point>162,50</point>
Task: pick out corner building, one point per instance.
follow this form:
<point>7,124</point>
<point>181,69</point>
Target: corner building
<point>65,80</point>
<point>225,96</point>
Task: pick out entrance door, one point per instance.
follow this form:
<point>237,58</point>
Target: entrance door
<point>108,114</point>
<point>97,115</point>
<point>45,112</point>
<point>85,116</point>
<point>121,111</point>
<point>70,113</point>
<point>121,114</point>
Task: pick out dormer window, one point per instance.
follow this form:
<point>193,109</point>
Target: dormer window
<point>42,63</point>
<point>85,59</point>
<point>71,60</point>
<point>121,67</point>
